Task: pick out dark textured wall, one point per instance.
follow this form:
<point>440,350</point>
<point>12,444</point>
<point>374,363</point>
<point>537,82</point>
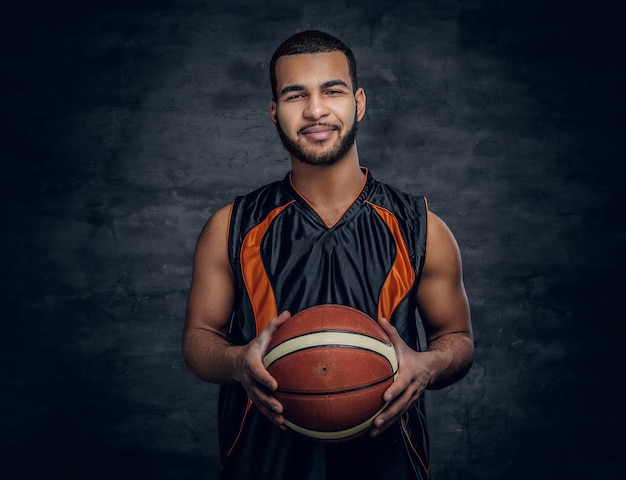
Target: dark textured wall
<point>124,125</point>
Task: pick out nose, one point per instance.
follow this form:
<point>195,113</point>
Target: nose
<point>315,108</point>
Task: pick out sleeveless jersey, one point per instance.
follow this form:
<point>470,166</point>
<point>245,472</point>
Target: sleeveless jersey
<point>284,257</point>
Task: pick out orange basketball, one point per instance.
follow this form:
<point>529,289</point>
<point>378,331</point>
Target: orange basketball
<point>332,363</point>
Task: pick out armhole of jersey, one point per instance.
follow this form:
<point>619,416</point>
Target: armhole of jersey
<point>231,249</point>
<point>230,222</point>
<point>424,226</point>
<point>229,234</point>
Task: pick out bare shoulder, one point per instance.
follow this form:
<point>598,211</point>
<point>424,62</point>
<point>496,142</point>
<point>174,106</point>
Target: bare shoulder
<point>217,224</point>
<point>211,293</point>
<point>441,294</point>
<point>442,250</point>
<point>213,239</point>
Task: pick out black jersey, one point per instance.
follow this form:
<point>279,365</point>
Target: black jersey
<point>284,257</point>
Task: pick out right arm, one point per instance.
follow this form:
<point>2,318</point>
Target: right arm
<point>210,304</point>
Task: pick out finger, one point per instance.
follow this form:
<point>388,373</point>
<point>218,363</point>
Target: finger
<point>276,418</point>
<point>382,423</point>
<point>267,333</point>
<point>255,364</point>
<point>390,330</point>
<point>266,400</point>
<point>399,385</point>
<point>277,322</point>
<point>268,405</point>
<point>392,413</point>
<point>257,373</point>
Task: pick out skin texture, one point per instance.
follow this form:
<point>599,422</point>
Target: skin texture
<point>316,109</point>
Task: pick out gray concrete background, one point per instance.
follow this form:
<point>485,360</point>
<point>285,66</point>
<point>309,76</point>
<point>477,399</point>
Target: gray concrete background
<point>124,125</point>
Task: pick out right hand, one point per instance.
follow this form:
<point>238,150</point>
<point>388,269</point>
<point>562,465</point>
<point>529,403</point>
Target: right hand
<point>255,378</point>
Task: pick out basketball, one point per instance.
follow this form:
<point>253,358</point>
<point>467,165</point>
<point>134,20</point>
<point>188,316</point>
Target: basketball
<point>332,363</point>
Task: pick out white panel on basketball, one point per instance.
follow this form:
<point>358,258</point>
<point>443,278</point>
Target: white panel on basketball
<point>338,435</point>
<point>332,338</point>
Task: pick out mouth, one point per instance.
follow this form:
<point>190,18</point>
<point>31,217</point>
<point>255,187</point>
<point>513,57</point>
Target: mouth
<point>318,131</point>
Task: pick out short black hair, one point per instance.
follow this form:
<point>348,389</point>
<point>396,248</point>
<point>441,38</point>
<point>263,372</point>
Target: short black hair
<point>312,41</point>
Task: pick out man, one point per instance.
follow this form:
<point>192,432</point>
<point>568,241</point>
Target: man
<point>328,233</point>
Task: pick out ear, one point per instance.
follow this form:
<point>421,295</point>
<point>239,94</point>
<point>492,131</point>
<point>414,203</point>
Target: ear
<point>273,112</point>
<point>361,102</point>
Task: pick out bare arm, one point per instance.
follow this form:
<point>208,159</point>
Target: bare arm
<point>206,348</point>
<point>210,304</point>
<point>445,314</point>
<point>444,307</point>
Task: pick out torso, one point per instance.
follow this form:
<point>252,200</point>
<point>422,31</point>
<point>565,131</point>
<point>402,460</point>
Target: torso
<point>285,255</point>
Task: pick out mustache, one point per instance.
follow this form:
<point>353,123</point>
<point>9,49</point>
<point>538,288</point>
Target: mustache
<point>318,124</point>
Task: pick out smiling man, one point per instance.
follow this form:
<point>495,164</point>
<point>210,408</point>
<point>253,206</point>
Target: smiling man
<point>328,233</point>
<point>305,108</point>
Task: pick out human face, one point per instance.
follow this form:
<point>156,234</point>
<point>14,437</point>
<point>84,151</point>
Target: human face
<point>316,112</point>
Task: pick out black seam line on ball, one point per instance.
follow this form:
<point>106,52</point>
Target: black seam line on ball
<point>339,392</point>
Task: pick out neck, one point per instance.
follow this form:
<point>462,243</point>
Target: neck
<point>329,188</point>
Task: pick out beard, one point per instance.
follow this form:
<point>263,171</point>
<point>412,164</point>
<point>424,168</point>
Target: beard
<point>339,150</point>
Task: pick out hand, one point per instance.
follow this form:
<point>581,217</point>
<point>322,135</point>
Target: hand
<point>254,377</point>
<point>412,380</point>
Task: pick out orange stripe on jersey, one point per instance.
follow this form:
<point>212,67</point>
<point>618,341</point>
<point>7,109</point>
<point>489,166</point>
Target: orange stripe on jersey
<point>255,277</point>
<point>401,277</point>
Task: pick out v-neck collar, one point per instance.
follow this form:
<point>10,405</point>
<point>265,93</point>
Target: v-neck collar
<point>350,211</point>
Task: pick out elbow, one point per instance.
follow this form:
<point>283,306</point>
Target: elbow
<point>466,356</point>
<point>187,351</point>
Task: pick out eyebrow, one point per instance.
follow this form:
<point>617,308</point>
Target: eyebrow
<point>301,88</point>
<point>334,83</point>
<point>292,88</point>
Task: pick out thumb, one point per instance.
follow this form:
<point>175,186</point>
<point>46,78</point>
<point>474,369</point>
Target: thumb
<point>269,331</point>
<point>389,329</point>
<point>396,340</point>
<point>276,322</point>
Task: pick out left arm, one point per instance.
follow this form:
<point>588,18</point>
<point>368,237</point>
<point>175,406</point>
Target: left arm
<point>445,314</point>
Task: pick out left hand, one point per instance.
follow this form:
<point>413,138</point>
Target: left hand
<point>413,378</point>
